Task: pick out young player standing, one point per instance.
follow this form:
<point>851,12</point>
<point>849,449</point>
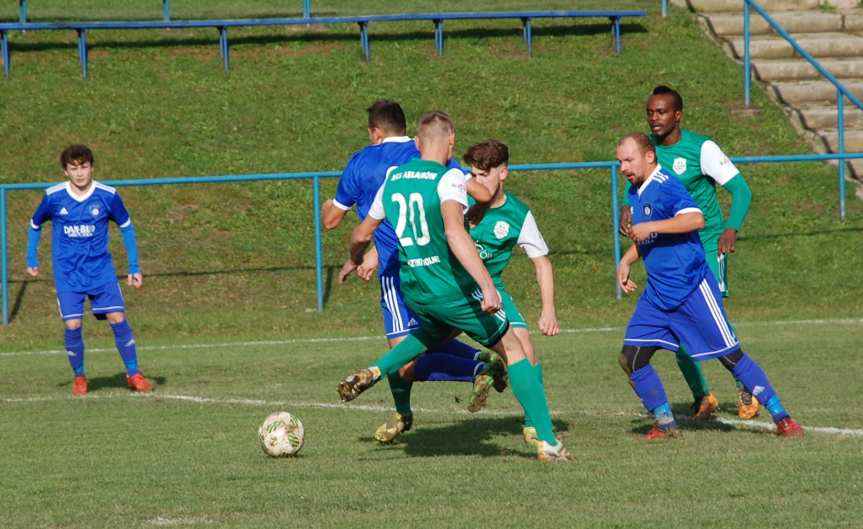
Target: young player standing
<point>79,211</point>
<point>699,164</point>
<point>682,302</point>
<point>443,279</point>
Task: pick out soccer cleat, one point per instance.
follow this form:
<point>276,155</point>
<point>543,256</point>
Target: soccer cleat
<point>138,383</point>
<point>396,425</point>
<point>498,372</point>
<point>747,405</point>
<point>482,384</point>
<point>656,433</point>
<point>788,427</point>
<point>351,387</point>
<point>552,453</point>
<point>704,407</point>
<point>528,433</point>
<point>79,386</point>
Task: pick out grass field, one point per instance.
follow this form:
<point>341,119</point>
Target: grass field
<point>226,320</point>
<point>188,456</point>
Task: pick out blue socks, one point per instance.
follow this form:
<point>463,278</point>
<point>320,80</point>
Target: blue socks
<point>748,372</point>
<point>75,350</point>
<point>441,367</point>
<point>456,348</point>
<point>126,346</point>
<point>650,390</point>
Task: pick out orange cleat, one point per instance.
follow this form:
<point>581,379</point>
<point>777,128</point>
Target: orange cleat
<point>704,407</point>
<point>788,427</point>
<point>79,386</point>
<point>137,382</point>
<point>656,433</point>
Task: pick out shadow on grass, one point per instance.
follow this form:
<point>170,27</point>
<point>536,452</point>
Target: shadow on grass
<point>594,28</point>
<point>683,416</point>
<point>472,437</point>
<point>114,381</point>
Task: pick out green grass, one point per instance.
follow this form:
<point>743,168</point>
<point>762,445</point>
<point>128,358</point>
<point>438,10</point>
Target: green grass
<point>113,458</point>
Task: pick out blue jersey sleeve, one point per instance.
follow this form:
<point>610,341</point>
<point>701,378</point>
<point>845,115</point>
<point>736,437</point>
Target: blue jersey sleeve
<point>42,214</point>
<point>117,212</point>
<point>347,192</point>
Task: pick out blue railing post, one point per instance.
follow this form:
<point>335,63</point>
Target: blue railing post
<point>4,256</point>
<point>747,67</point>
<point>22,11</point>
<point>615,216</point>
<point>664,7</point>
<point>82,52</point>
<point>4,50</point>
<point>166,10</point>
<point>840,140</point>
<point>307,8</point>
<point>319,251</point>
<point>223,47</point>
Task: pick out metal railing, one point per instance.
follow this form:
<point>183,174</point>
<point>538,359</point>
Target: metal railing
<point>841,91</point>
<point>23,10</point>
<point>316,176</point>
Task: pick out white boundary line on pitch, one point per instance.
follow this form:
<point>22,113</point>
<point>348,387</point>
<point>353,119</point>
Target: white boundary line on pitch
<point>838,321</point>
<point>748,425</point>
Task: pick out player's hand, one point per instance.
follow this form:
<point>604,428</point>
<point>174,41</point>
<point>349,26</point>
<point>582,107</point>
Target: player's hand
<point>347,269</point>
<point>548,324</point>
<point>490,300</point>
<point>368,267</point>
<point>640,232</point>
<point>135,280</point>
<point>626,221</point>
<point>33,271</point>
<point>727,241</point>
<point>626,284</point>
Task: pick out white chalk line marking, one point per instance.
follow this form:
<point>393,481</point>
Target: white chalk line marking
<point>263,343</point>
<point>749,425</point>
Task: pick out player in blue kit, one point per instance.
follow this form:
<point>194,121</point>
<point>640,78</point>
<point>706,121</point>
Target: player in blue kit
<point>79,211</point>
<point>682,303</point>
<point>362,177</point>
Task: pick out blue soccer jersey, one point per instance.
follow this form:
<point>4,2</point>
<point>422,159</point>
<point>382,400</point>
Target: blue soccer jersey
<point>79,242</point>
<point>674,262</point>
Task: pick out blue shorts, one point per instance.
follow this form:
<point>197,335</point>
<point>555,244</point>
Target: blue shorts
<point>103,300</point>
<point>699,323</point>
<point>398,318</point>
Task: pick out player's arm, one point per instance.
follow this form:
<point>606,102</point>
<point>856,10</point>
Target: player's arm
<point>532,242</point>
<point>685,221</point>
<point>625,267</point>
<point>464,249</point>
<point>332,214</point>
<point>362,236</point>
<point>716,165</point>
<point>120,215</point>
<point>483,200</point>
<point>34,234</point>
<point>334,210</point>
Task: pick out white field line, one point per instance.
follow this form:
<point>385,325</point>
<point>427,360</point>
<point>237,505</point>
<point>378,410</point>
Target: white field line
<point>748,425</point>
<point>262,343</point>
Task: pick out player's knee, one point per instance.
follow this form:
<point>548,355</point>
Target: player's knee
<point>72,325</point>
<point>116,317</point>
<point>406,372</point>
<point>730,360</point>
<point>622,359</point>
<point>632,358</point>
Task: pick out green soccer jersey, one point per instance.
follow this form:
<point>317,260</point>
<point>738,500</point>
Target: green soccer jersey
<point>699,164</point>
<point>410,200</point>
<point>501,229</point>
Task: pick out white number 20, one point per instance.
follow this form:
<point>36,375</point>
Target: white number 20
<point>414,206</point>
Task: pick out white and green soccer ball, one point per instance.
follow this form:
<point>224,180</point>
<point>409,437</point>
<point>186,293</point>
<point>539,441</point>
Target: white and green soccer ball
<point>281,434</point>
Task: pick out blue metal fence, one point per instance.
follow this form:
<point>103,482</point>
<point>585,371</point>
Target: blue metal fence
<point>316,177</point>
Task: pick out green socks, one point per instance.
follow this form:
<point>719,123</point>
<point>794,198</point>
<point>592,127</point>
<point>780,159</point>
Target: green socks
<point>537,371</point>
<point>692,373</point>
<point>401,390</point>
<point>401,354</point>
<point>531,396</point>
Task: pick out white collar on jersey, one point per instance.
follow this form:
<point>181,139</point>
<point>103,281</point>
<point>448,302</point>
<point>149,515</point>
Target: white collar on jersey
<point>86,195</point>
<point>396,139</point>
<point>649,179</point>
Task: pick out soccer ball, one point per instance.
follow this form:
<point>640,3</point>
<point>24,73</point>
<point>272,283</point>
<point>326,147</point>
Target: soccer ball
<point>281,434</point>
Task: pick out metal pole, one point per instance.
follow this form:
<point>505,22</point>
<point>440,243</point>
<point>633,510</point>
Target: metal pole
<point>82,51</point>
<point>747,66</point>
<point>166,10</point>
<point>4,50</point>
<point>840,125</point>
<point>4,254</point>
<point>22,11</point>
<point>615,216</point>
<point>319,258</point>
<point>223,46</point>
<point>664,8</point>
<point>307,8</point>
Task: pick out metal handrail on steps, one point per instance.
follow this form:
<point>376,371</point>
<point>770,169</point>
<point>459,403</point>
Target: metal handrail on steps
<point>841,91</point>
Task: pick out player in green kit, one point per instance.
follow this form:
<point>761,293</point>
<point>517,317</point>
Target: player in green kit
<point>443,279</point>
<point>699,164</point>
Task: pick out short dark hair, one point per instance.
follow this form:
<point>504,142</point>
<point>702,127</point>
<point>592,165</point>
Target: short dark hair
<point>387,115</point>
<point>487,154</point>
<point>675,95</point>
<point>80,154</point>
<point>641,140</point>
<point>435,123</point>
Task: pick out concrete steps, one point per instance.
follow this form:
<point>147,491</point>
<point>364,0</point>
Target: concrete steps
<point>833,35</point>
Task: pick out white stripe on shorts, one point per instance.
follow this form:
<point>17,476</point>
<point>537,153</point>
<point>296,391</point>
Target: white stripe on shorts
<point>721,324</point>
<point>390,298</point>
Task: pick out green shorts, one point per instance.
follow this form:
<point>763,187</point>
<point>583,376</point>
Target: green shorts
<point>439,320</point>
<point>718,264</point>
<point>512,313</point>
